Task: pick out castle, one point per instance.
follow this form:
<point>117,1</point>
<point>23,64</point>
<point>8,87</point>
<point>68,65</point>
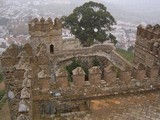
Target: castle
<point>37,82</point>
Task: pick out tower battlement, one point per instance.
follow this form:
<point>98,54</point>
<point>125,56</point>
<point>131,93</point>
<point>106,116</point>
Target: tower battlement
<point>46,31</point>
<point>149,32</point>
<point>44,25</point>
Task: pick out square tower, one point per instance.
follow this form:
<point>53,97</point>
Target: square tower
<point>47,32</point>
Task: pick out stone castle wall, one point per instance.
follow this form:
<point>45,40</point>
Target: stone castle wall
<point>38,91</point>
<point>111,74</point>
<point>147,48</point>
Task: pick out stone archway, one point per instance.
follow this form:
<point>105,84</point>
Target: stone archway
<point>52,49</point>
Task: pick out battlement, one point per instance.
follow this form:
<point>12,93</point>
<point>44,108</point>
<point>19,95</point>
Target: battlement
<point>149,32</point>
<point>110,75</point>
<point>147,48</point>
<point>44,25</point>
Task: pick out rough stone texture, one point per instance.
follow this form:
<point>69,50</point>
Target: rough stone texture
<point>47,32</point>
<point>9,56</point>
<point>110,75</point>
<point>25,93</point>
<point>62,79</point>
<point>153,72</point>
<point>23,107</point>
<point>125,76</point>
<point>78,77</point>
<point>22,117</point>
<point>95,75</point>
<point>132,107</point>
<point>26,83</point>
<point>147,45</point>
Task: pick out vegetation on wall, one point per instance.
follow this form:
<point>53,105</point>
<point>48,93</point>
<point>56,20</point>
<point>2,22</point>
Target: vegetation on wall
<point>71,67</point>
<point>95,62</point>
<point>90,23</point>
<point>76,63</point>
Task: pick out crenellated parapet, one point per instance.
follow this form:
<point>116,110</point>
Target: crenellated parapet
<point>149,32</point>
<point>110,74</point>
<point>44,25</point>
<point>78,77</point>
<point>9,57</point>
<point>46,31</point>
<point>147,48</point>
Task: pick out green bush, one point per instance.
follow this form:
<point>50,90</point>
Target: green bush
<point>75,63</point>
<point>95,62</point>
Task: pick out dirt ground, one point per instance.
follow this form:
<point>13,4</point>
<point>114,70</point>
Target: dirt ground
<point>5,113</point>
<point>134,107</point>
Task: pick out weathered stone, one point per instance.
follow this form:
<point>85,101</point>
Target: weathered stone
<point>153,72</point>
<point>62,78</point>
<point>43,74</point>
<point>23,106</point>
<point>25,93</point>
<point>22,117</point>
<point>78,77</point>
<point>11,95</point>
<point>140,73</point>
<point>95,75</point>
<point>26,83</point>
<point>110,74</point>
<point>125,76</point>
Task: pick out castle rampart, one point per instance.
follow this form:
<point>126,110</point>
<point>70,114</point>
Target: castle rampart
<point>148,45</point>
<point>38,85</point>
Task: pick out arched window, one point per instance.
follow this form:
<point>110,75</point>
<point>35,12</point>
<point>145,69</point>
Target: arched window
<point>52,49</point>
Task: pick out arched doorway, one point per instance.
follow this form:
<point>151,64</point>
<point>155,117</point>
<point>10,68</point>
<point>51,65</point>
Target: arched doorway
<point>52,49</point>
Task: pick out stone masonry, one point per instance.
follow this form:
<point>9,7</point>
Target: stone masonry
<point>37,82</point>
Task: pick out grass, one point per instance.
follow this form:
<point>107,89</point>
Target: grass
<point>2,98</point>
<point>1,77</point>
<point>2,93</point>
<point>126,54</point>
<point>2,102</point>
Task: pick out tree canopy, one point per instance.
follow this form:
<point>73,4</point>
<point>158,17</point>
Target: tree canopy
<point>90,23</point>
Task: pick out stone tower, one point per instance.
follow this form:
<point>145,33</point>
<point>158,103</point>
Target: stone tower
<point>47,32</point>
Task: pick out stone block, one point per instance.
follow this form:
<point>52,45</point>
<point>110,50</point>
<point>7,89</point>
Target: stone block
<point>44,84</point>
<point>95,75</point>
<point>125,76</point>
<point>140,74</point>
<point>23,107</point>
<point>25,93</point>
<point>110,74</point>
<point>78,77</point>
<point>78,80</point>
<point>153,73</point>
<point>62,79</point>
